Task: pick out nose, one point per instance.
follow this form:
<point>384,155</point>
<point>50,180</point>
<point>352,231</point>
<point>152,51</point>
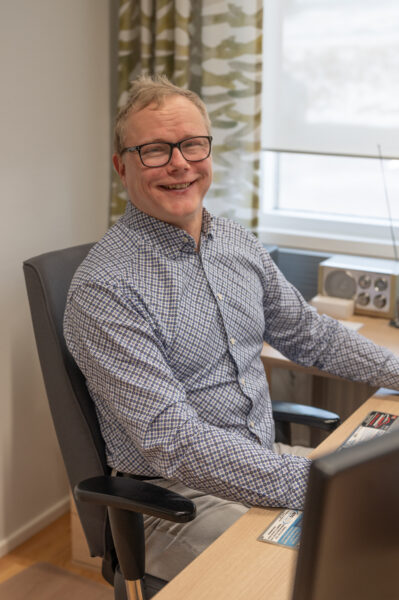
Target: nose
<point>177,159</point>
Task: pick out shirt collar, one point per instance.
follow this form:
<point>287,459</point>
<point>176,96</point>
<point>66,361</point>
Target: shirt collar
<point>168,238</point>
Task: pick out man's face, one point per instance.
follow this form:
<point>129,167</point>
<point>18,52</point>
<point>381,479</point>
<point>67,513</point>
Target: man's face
<point>151,189</point>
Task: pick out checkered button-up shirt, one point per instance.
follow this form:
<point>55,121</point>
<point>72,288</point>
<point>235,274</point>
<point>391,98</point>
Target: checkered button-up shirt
<point>169,340</point>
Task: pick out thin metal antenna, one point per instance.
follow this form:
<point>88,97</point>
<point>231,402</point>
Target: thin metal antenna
<point>395,251</point>
<point>395,321</point>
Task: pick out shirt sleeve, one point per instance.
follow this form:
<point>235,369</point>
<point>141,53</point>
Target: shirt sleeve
<point>295,328</point>
<point>119,349</point>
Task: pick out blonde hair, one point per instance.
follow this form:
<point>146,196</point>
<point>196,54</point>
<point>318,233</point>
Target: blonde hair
<point>147,90</point>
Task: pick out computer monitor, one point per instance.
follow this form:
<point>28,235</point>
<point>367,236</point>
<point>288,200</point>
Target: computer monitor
<point>349,545</point>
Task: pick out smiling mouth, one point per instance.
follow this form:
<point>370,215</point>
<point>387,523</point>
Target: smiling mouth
<point>177,186</point>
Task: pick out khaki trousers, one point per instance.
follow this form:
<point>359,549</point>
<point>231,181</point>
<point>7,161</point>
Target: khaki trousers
<point>172,546</point>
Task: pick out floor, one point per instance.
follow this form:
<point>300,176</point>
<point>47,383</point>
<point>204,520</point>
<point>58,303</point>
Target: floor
<point>51,545</point>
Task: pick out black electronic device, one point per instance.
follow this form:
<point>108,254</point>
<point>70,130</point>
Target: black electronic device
<point>349,545</point>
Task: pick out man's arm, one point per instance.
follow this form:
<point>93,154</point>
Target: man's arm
<point>124,361</point>
<point>295,328</point>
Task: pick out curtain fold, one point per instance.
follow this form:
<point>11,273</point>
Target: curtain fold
<point>213,47</point>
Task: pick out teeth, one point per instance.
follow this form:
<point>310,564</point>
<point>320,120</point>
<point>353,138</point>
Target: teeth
<point>177,186</point>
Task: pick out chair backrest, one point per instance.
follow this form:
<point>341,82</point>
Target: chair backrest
<point>48,277</point>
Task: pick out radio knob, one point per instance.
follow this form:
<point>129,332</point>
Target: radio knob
<point>363,299</point>
<point>379,301</point>
<point>364,281</point>
<point>380,284</point>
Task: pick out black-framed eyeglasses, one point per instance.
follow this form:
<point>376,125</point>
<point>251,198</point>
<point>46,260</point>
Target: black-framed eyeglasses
<point>158,154</point>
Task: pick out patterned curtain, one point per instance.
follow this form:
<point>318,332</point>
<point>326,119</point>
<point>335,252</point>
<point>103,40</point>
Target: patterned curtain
<point>213,47</point>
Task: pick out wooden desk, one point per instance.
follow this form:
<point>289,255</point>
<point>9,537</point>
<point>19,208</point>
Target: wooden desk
<point>237,565</point>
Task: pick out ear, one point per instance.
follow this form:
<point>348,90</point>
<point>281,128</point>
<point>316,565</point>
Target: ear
<point>119,166</point>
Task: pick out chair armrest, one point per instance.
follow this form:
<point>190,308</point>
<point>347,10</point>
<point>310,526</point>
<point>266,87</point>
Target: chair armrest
<point>136,496</point>
<point>290,412</point>
<point>127,499</point>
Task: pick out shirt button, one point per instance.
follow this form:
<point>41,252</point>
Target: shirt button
<point>232,341</point>
<point>242,381</point>
<point>251,424</point>
<point>219,296</point>
<point>185,239</point>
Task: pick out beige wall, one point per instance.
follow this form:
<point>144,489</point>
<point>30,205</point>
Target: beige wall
<point>54,174</point>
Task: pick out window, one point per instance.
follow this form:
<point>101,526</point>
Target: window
<point>330,165</point>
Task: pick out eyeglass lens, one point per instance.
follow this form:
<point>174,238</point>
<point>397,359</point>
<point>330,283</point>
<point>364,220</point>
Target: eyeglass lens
<point>158,153</point>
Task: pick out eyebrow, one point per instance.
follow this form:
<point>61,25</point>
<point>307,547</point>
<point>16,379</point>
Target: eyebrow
<point>156,141</point>
<point>160,140</point>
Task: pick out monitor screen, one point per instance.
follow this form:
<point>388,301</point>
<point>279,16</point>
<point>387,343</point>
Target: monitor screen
<point>349,546</point>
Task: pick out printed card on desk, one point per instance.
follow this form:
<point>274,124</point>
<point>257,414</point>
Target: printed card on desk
<point>375,424</point>
<point>285,530</point>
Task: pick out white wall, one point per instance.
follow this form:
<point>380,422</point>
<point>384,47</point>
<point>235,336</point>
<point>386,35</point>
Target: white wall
<point>54,178</point>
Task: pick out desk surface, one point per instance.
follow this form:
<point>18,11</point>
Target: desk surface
<point>237,565</point>
<point>375,329</point>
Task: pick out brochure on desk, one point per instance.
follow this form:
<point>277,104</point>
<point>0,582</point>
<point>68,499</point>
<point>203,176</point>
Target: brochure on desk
<point>285,529</point>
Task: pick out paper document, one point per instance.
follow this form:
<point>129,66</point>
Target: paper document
<point>351,324</point>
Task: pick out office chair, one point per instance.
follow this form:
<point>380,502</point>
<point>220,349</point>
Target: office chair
<point>110,508</point>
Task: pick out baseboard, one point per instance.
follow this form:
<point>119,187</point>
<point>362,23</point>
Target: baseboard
<point>34,526</point>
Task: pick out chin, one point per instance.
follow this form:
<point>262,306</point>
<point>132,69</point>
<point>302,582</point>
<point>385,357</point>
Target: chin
<point>185,206</point>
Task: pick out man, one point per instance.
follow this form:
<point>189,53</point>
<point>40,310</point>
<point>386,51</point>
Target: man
<point>166,318</point>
